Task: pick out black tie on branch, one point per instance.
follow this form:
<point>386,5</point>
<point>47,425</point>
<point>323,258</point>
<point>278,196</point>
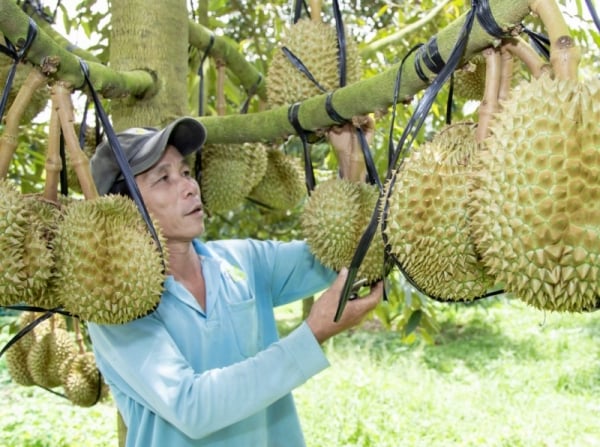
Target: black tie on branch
<point>341,39</point>
<point>539,42</point>
<point>487,21</point>
<point>450,102</point>
<point>250,94</point>
<point>201,75</point>
<point>17,56</point>
<point>309,175</point>
<point>593,13</point>
<point>121,160</point>
<point>403,147</point>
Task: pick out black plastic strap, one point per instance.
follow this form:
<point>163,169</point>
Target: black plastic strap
<point>201,74</point>
<point>450,102</point>
<point>431,56</point>
<point>593,13</point>
<point>251,93</point>
<point>539,42</point>
<point>299,65</point>
<point>487,21</point>
<point>331,112</point>
<point>121,159</point>
<point>63,176</point>
<point>298,4</point>
<point>397,85</point>
<point>372,175</point>
<point>17,56</point>
<point>341,38</point>
<point>417,64</point>
<point>309,174</point>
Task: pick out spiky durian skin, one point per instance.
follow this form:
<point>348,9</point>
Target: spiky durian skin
<point>98,278</point>
<point>83,384</point>
<point>333,220</point>
<point>282,186</point>
<point>38,256</point>
<point>426,217</point>
<point>535,208</point>
<point>17,354</point>
<point>315,44</point>
<point>13,230</point>
<point>47,355</point>
<point>229,172</point>
<point>469,80</point>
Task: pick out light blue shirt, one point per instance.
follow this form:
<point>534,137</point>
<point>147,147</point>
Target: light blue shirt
<point>183,376</point>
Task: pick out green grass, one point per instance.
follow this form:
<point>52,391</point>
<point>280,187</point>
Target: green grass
<point>500,374</point>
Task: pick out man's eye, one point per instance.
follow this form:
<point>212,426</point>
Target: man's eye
<point>163,178</point>
<point>187,173</point>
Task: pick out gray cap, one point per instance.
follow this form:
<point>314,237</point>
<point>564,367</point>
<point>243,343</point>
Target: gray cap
<point>143,147</point>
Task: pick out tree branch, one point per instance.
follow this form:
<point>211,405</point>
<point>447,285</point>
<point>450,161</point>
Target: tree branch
<point>393,39</point>
<point>249,76</point>
<point>14,24</point>
<point>365,96</point>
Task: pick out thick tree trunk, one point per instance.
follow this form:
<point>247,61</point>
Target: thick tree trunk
<point>151,36</point>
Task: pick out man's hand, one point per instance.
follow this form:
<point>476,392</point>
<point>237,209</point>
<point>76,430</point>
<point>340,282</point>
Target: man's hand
<point>320,319</point>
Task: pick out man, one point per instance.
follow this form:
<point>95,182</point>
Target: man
<point>207,368</point>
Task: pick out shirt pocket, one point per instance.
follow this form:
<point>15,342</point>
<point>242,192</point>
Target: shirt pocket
<point>244,323</point>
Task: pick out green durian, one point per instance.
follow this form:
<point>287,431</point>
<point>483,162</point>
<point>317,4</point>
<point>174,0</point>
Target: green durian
<point>48,354</point>
<point>333,220</point>
<point>426,217</point>
<point>229,172</point>
<point>469,80</point>
<point>83,384</point>
<point>98,278</point>
<point>534,205</point>
<point>282,186</point>
<point>316,45</point>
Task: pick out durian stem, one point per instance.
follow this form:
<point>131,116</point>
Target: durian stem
<point>78,336</point>
<point>506,74</point>
<point>61,101</point>
<point>9,140</point>
<point>564,54</point>
<point>53,161</point>
<point>489,103</point>
<point>348,149</point>
<point>221,106</point>
<point>526,54</point>
<point>315,10</point>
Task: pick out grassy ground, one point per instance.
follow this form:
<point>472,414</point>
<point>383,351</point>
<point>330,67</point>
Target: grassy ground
<point>500,374</point>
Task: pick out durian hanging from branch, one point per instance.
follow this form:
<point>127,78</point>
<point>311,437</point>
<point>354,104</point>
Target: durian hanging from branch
<point>535,213</point>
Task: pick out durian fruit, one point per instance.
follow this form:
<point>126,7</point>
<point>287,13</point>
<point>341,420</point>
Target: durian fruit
<point>82,382</point>
<point>229,172</point>
<point>109,270</point>
<point>13,230</point>
<point>40,97</point>
<point>426,217</point>
<point>48,354</point>
<point>27,226</point>
<point>16,356</point>
<point>38,256</point>
<point>535,208</point>
<point>469,80</point>
<point>282,186</point>
<point>316,45</point>
<point>333,220</point>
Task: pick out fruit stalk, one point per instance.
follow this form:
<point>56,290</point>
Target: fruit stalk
<point>489,103</point>
<point>61,102</point>
<point>53,162</point>
<point>9,139</point>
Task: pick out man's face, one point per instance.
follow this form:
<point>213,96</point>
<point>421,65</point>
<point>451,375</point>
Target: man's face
<point>172,197</point>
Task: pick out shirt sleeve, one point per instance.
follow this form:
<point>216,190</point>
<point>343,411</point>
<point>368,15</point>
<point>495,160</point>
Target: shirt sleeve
<point>152,371</point>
